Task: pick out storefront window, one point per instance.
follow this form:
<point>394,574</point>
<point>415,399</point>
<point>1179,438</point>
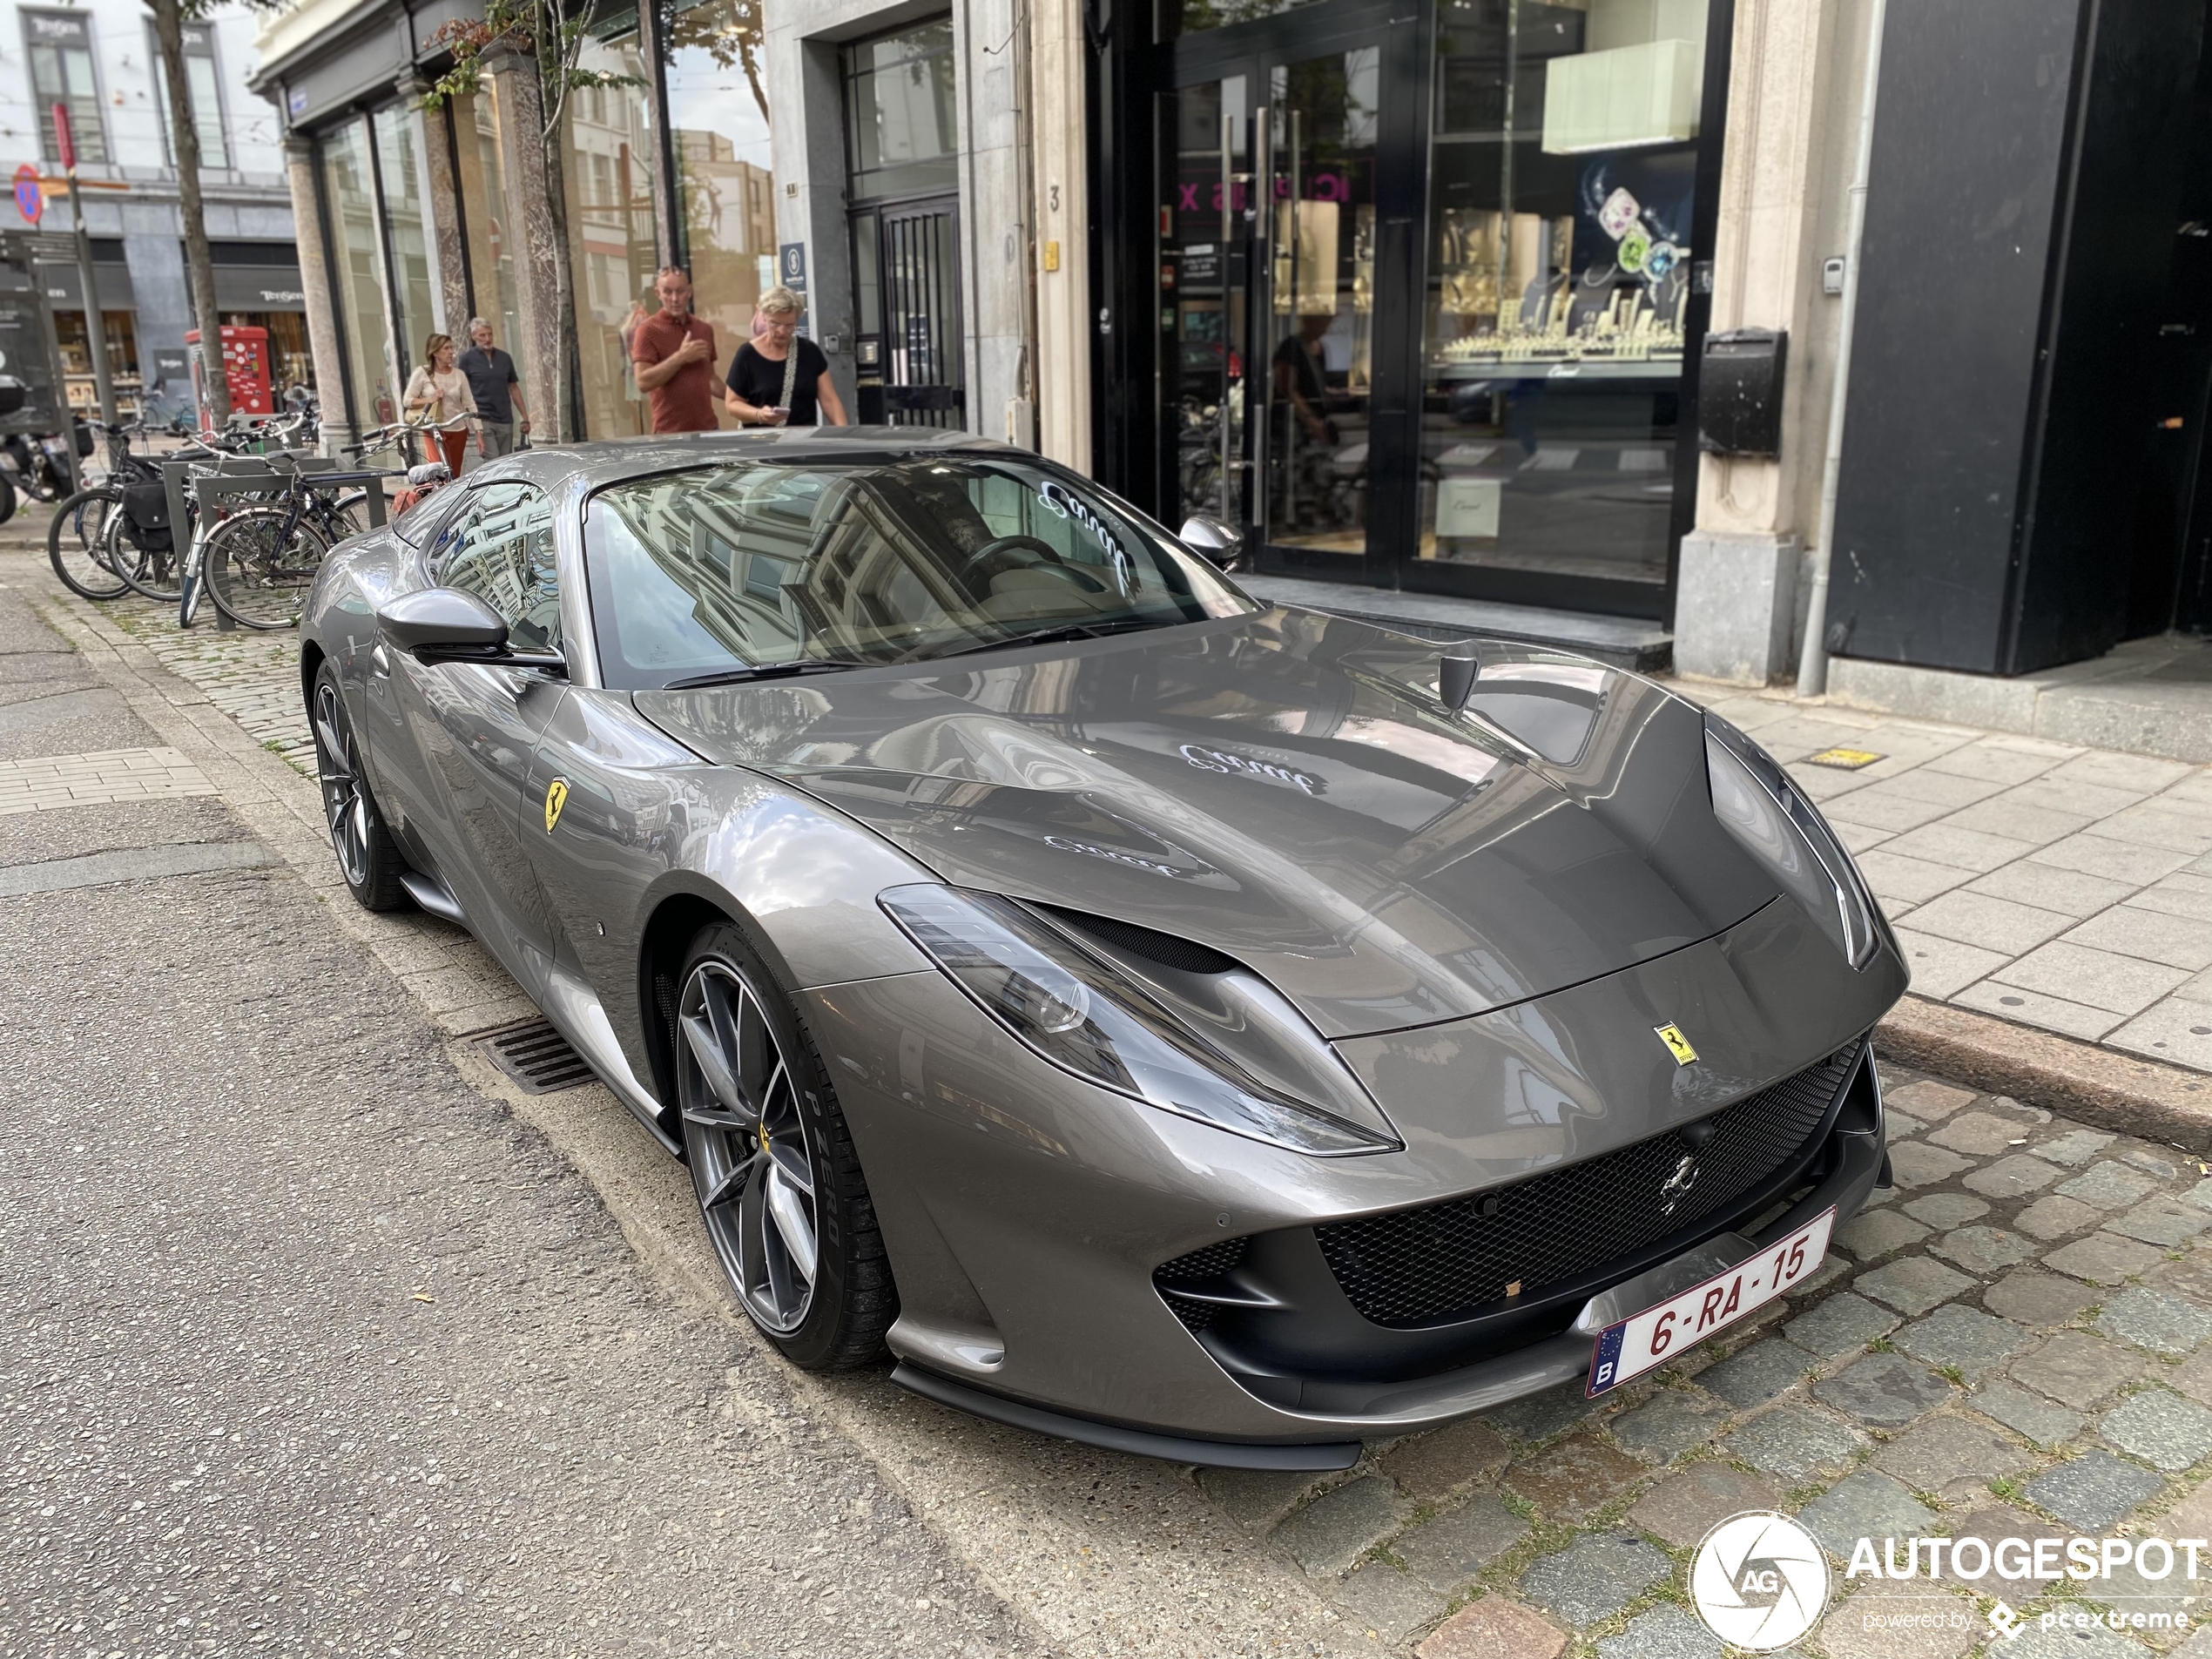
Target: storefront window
<point>349,206</point>
<point>718,120</point>
<point>901,118</point>
<point>606,159</point>
<point>1563,158</point>
<point>483,211</point>
<point>122,361</point>
<point>398,166</point>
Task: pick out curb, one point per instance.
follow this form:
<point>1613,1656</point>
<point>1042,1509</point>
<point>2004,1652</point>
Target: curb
<point>2099,1086</point>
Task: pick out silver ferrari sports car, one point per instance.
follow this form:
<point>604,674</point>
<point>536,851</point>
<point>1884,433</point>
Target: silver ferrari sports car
<point>1156,1017</point>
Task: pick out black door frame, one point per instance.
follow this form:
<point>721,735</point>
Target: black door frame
<point>1126,68</point>
<point>1253,50</point>
<point>874,389</point>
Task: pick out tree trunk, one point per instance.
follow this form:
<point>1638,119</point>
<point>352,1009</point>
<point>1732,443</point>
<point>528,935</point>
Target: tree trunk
<point>564,357</point>
<point>199,263</point>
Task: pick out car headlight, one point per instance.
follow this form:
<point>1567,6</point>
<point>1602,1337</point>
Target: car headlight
<point>1757,803</point>
<point>1086,1016</point>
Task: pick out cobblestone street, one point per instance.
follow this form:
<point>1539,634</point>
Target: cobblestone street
<point>2011,1343</point>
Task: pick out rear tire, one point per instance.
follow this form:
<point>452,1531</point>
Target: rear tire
<point>772,1163</point>
<point>367,856</point>
<point>78,543</point>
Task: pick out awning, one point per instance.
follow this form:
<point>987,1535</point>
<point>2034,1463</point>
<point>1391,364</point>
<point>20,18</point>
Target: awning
<point>259,287</point>
<point>113,281</point>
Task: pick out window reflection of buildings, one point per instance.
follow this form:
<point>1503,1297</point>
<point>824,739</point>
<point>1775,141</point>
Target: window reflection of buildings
<point>608,181</point>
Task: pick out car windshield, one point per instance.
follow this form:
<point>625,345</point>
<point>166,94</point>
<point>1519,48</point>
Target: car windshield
<point>766,563</point>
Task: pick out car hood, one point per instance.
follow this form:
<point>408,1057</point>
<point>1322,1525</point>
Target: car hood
<point>1286,788</point>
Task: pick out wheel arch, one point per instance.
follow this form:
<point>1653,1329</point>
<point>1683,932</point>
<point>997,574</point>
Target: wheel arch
<point>676,916</point>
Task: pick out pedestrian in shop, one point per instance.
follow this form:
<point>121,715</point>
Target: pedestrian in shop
<point>779,377</point>
<point>439,401</point>
<point>674,355</point>
<point>498,391</point>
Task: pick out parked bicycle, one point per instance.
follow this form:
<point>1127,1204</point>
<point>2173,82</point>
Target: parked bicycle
<point>112,536</point>
<point>259,560</point>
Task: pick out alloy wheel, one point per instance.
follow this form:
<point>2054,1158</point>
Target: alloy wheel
<point>345,803</point>
<point>751,1160</point>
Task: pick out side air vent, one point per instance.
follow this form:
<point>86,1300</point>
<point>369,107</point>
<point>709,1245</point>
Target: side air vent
<point>1199,1268</point>
<point>1166,949</point>
<point>536,1057</point>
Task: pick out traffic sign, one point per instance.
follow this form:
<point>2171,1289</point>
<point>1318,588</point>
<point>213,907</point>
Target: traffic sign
<point>64,144</point>
<point>31,200</point>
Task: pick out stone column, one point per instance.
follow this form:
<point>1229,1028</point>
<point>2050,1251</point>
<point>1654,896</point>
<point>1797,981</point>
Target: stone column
<point>1063,218</point>
<point>1793,92</point>
<point>442,190</point>
<point>522,159</point>
<point>315,283</point>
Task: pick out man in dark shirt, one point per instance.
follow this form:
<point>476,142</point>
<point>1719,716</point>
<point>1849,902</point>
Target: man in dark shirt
<point>673,352</point>
<point>497,390</point>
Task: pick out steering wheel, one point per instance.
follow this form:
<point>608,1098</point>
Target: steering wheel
<point>1000,546</point>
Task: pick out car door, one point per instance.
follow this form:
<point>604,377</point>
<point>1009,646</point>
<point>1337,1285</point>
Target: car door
<point>469,728</point>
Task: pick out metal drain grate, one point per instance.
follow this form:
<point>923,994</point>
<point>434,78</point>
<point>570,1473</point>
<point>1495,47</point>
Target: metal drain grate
<point>536,1056</point>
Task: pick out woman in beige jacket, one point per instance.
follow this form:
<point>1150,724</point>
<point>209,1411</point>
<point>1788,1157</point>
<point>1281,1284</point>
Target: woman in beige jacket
<point>438,398</point>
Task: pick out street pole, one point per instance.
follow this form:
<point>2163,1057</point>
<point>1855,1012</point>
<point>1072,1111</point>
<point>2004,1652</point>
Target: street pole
<point>95,332</point>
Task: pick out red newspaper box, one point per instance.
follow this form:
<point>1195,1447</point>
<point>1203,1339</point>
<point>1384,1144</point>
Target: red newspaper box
<point>246,369</point>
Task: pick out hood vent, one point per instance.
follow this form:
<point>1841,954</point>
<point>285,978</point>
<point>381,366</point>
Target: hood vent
<point>1184,954</point>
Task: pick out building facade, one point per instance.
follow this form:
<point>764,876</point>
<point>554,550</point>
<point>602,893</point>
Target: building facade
<point>101,62</point>
<point>1537,303</point>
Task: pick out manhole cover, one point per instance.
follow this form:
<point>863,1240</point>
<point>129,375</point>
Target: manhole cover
<point>536,1056</point>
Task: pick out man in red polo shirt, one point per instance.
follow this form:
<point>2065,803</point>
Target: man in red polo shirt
<point>674,355</point>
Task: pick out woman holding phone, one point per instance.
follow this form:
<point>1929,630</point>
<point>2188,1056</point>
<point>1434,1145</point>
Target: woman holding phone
<point>778,378</point>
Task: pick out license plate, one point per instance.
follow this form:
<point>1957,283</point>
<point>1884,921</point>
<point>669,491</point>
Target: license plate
<point>1658,1334</point>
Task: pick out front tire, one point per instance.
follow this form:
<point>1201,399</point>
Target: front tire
<point>772,1163</point>
<point>367,856</point>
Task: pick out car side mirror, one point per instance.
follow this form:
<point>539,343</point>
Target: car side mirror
<point>1214,540</point>
<point>450,625</point>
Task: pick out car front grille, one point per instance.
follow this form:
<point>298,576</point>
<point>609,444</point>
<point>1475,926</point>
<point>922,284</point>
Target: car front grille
<point>1421,1266</point>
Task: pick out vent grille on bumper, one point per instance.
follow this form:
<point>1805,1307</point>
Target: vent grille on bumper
<point>1414,1266</point>
<point>1195,1269</point>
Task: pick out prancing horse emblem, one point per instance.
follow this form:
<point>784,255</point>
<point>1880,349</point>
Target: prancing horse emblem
<point>556,796</point>
<point>1676,1186</point>
<point>1678,1044</point>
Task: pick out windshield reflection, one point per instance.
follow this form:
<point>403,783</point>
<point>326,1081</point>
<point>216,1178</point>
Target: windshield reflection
<point>763,563</point>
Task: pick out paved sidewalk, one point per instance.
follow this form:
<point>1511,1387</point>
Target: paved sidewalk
<point>2058,886</point>
<point>45,782</point>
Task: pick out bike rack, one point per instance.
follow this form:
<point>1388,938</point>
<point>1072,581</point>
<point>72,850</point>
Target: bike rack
<point>240,475</point>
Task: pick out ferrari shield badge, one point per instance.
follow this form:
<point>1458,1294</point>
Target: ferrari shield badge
<point>556,796</point>
<point>1678,1044</point>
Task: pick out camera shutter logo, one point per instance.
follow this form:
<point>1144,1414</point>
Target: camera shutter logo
<point>1759,1581</point>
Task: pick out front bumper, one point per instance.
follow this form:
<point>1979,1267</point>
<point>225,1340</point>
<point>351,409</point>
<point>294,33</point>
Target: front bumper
<point>1026,1212</point>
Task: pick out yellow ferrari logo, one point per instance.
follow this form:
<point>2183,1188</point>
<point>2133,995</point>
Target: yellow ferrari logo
<point>1678,1044</point>
<point>556,796</point>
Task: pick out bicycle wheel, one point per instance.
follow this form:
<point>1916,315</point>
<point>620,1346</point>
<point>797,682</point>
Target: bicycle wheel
<point>151,574</point>
<point>348,516</point>
<point>77,544</point>
<point>259,565</point>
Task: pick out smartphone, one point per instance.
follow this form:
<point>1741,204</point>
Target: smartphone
<point>781,410</point>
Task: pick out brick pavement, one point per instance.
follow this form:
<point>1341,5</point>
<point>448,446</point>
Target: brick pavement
<point>46,783</point>
<point>2054,886</point>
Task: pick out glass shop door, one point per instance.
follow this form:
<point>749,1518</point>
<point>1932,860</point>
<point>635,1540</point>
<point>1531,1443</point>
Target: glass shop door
<point>1287,381</point>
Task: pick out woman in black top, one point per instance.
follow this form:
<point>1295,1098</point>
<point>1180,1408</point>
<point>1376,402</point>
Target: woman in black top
<point>778,367</point>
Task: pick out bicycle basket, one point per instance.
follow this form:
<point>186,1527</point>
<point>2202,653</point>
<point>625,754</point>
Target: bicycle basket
<point>146,516</point>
